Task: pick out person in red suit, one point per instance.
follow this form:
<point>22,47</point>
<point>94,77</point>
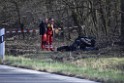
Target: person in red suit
<point>50,29</point>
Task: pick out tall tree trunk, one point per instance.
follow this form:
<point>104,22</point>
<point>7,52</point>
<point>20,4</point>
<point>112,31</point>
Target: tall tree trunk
<point>104,28</point>
<point>19,18</point>
<point>75,18</point>
<point>122,20</point>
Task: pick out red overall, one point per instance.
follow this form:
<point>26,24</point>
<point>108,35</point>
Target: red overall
<point>49,33</point>
<point>44,40</point>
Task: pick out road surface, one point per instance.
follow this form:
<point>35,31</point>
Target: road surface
<point>19,75</point>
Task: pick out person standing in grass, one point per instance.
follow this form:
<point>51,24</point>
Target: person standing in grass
<point>43,30</point>
<point>50,30</point>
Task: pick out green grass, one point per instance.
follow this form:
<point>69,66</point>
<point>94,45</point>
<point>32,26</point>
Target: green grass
<point>103,69</point>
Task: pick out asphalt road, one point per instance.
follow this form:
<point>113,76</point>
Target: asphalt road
<point>18,75</point>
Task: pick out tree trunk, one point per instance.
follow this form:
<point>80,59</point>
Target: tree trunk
<point>19,18</point>
<point>104,28</point>
<point>75,18</point>
<point>122,20</point>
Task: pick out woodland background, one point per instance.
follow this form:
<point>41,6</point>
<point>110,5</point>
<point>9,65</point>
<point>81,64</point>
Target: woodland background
<point>101,19</point>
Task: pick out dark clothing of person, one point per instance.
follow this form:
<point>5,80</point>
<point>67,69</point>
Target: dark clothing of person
<point>84,42</point>
<point>79,43</point>
<point>43,28</point>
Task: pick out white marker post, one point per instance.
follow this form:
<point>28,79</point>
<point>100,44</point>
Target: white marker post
<point>2,44</point>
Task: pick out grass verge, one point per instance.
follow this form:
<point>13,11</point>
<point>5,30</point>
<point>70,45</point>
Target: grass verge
<point>108,70</point>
